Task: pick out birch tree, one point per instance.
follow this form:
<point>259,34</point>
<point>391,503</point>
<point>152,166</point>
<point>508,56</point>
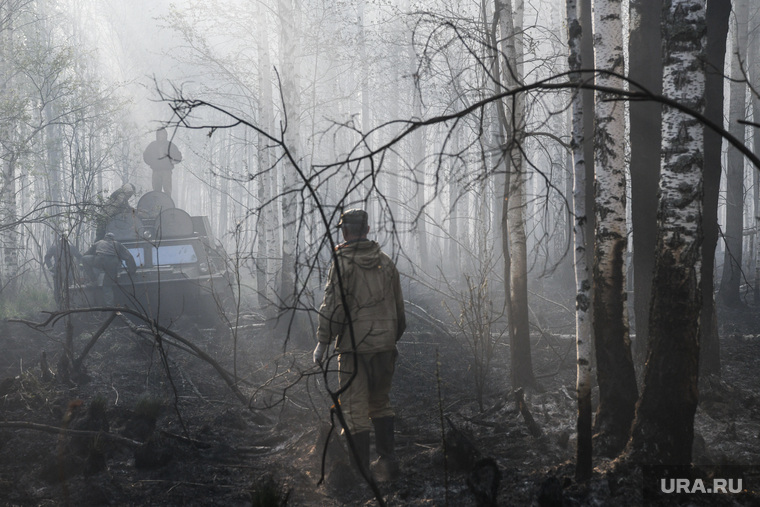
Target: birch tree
<point>11,112</point>
<point>583,462</point>
<point>514,242</point>
<point>616,377</point>
<point>268,242</point>
<point>417,147</point>
<point>366,124</point>
<point>664,427</point>
<point>288,11</point>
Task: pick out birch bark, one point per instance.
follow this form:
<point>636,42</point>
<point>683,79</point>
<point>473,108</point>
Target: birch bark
<point>268,245</point>
<point>583,456</point>
<point>514,204</point>
<point>417,149</point>
<point>664,427</point>
<point>289,13</point>
<point>615,373</point>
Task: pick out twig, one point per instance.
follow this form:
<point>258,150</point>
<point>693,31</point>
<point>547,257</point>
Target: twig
<point>428,318</point>
<point>91,343</point>
<point>195,443</point>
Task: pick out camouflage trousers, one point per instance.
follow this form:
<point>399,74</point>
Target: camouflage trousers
<point>367,396</point>
<point>110,266</point>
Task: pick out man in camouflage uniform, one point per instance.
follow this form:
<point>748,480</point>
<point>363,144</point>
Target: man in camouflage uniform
<point>374,308</point>
<point>107,255</point>
<point>116,204</point>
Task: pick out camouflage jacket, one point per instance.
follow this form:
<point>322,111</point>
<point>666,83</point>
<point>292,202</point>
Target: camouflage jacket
<point>373,300</point>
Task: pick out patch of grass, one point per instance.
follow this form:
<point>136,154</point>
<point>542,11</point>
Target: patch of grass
<point>33,390</point>
<point>149,407</point>
<point>26,302</point>
<point>98,405</point>
<point>268,492</point>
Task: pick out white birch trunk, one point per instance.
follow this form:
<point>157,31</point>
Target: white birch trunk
<point>266,225</point>
<point>417,150</point>
<point>289,74</point>
<point>583,465</point>
<point>514,200</point>
<point>608,145</point>
<point>617,382</point>
<point>224,182</point>
<point>365,103</point>
<point>454,191</point>
<point>9,240</point>
<point>9,244</point>
<point>664,427</point>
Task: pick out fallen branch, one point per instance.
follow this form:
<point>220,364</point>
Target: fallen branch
<point>429,319</point>
<point>23,425</point>
<point>191,441</point>
<point>91,343</point>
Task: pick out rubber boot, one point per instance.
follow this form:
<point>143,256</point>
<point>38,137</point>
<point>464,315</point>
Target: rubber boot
<point>385,468</point>
<point>361,441</point>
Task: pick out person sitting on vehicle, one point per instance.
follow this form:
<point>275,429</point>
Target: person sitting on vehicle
<point>108,254</point>
<point>116,204</point>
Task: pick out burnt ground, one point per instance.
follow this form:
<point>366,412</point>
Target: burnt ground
<point>166,430</point>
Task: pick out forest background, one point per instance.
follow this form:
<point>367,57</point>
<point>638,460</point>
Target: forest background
<point>512,156</point>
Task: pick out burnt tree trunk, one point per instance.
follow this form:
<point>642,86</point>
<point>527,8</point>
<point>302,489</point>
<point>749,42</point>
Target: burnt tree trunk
<point>645,124</point>
<point>663,431</point>
<point>718,12</point>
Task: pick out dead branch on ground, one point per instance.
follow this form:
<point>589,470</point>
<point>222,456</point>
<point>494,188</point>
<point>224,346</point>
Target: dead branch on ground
<point>64,431</point>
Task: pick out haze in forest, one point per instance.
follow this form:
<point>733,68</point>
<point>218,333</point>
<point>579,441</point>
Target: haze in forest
<point>543,175</point>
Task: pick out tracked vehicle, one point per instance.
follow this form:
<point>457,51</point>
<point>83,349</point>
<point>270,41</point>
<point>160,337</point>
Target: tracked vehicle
<point>181,268</point>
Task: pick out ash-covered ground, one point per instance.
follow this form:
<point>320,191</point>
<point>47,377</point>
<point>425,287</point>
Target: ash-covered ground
<point>149,423</point>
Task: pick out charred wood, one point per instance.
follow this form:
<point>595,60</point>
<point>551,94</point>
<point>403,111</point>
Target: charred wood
<point>522,406</point>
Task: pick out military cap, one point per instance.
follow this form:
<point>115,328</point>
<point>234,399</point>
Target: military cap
<point>354,216</point>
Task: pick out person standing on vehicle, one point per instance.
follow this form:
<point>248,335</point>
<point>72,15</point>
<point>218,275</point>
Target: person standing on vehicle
<point>108,255</point>
<point>365,332</point>
<point>161,155</point>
